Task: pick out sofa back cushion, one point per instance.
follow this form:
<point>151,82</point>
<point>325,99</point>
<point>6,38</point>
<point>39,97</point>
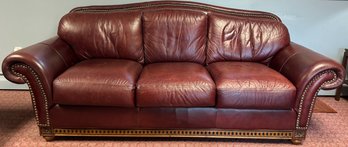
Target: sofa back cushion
<point>233,38</point>
<point>174,35</point>
<point>104,35</point>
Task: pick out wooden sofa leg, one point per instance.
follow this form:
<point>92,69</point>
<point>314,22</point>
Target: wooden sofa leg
<point>296,141</point>
<point>49,138</point>
<point>47,133</point>
<point>298,136</point>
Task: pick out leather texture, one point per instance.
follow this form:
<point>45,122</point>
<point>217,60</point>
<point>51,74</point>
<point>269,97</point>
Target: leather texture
<point>250,119</point>
<point>246,85</point>
<point>98,82</point>
<point>179,84</point>
<point>174,36</point>
<point>104,35</point>
<point>243,39</point>
<point>64,116</point>
<point>48,59</point>
<point>300,65</point>
<point>171,118</point>
<point>182,5</point>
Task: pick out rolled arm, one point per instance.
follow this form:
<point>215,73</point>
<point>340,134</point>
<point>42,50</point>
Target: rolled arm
<point>309,72</point>
<point>38,65</point>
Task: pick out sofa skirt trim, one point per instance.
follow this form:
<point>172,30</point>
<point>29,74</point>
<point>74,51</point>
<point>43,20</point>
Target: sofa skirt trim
<point>296,136</point>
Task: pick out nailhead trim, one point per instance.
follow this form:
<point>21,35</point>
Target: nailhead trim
<point>257,15</point>
<point>282,134</point>
<point>37,81</point>
<point>317,77</point>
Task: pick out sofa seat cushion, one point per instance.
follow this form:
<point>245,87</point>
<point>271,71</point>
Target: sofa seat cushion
<point>246,85</point>
<point>98,82</point>
<point>176,84</point>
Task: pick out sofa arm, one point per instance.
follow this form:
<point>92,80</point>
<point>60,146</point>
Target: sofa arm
<point>38,65</point>
<point>309,72</point>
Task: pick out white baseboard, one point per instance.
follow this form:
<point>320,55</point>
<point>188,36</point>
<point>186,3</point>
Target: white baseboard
<point>5,84</point>
<point>327,92</point>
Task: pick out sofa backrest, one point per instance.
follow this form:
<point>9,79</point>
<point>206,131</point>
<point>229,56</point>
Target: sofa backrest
<point>167,31</point>
<point>174,35</point>
<point>104,35</point>
<point>244,39</point>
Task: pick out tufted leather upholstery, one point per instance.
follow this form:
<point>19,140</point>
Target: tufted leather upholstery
<point>172,65</point>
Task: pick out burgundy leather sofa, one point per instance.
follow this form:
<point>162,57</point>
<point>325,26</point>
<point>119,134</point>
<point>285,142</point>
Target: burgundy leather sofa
<point>172,69</point>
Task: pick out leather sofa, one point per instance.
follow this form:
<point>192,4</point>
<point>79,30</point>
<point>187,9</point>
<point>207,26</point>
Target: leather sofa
<point>172,69</point>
